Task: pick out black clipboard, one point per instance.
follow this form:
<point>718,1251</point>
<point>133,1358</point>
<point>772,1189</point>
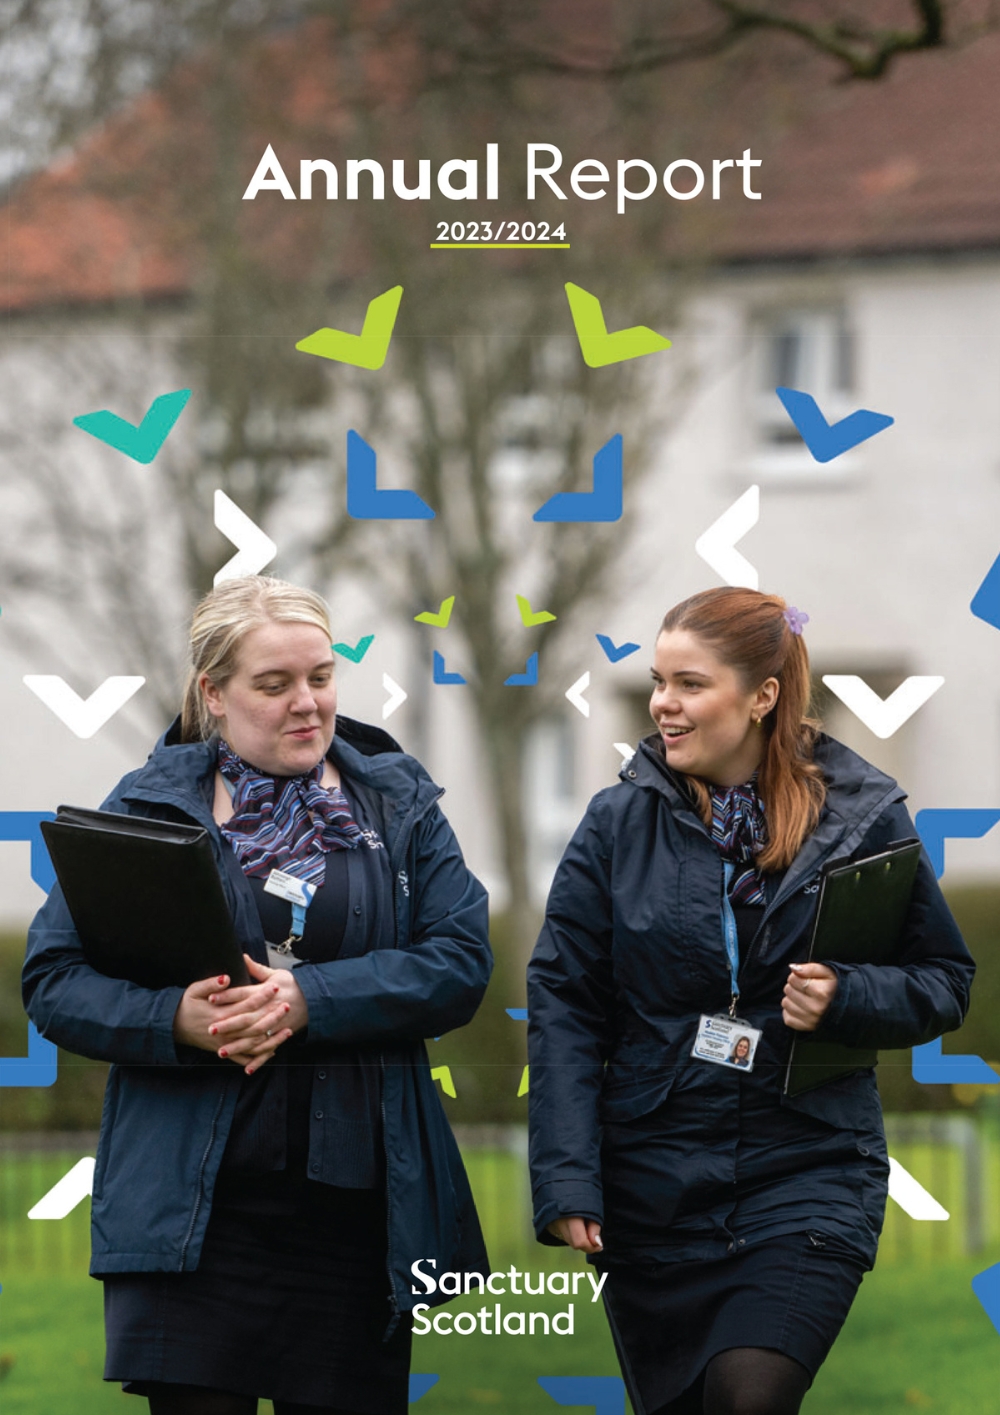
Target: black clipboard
<point>145,896</point>
<point>859,919</point>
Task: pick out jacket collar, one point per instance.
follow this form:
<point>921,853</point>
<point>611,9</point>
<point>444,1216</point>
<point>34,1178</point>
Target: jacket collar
<point>180,773</point>
<point>856,795</point>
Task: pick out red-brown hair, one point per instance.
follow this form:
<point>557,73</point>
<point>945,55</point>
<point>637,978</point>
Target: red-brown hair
<point>748,631</point>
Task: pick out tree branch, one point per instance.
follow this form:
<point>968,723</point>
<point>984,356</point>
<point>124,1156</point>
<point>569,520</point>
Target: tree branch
<point>866,53</point>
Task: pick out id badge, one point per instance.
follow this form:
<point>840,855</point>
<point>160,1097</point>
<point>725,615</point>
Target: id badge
<point>296,891</point>
<point>726,1041</point>
<point>300,895</point>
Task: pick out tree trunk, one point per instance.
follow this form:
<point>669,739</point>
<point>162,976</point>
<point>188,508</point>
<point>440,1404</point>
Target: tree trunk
<point>505,743</point>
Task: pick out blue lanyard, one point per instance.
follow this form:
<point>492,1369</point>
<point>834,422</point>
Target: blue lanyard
<point>298,910</point>
<point>299,917</point>
<point>730,935</point>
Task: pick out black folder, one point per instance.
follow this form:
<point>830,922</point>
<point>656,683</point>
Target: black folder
<point>145,896</point>
<point>860,917</point>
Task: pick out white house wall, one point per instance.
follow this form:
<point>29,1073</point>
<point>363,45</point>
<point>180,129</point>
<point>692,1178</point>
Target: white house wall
<point>884,549</point>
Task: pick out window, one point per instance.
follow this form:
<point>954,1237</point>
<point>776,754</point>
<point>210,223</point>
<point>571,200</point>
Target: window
<point>811,350</point>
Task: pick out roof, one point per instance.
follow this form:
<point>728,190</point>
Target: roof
<point>910,163</point>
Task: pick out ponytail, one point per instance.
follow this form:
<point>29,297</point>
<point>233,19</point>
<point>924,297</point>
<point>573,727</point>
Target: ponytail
<point>751,633</point>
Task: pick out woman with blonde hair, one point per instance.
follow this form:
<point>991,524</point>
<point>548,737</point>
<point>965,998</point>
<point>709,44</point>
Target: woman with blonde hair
<point>734,1223</point>
<point>274,1155</point>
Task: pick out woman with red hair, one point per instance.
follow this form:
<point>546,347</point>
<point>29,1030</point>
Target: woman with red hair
<point>735,1223</point>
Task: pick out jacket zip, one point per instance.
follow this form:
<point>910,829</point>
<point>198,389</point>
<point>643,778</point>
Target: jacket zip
<point>393,1300</point>
<point>201,1176</point>
<point>390,1271</point>
<point>397,880</point>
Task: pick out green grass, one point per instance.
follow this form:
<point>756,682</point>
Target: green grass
<point>917,1340</point>
<point>499,1180</point>
<point>941,1170</point>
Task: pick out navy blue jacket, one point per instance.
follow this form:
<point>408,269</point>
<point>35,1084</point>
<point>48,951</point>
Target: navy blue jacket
<point>167,1117</point>
<point>632,952</point>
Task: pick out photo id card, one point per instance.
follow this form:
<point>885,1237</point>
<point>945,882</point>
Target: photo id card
<point>728,1041</point>
<point>296,891</point>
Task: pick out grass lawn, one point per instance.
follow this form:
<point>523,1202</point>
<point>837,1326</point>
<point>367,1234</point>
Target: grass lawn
<point>917,1340</point>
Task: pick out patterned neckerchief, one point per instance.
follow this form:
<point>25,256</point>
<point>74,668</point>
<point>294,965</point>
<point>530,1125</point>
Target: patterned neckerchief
<point>739,830</point>
<point>286,823</point>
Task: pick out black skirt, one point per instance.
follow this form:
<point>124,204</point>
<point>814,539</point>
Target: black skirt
<point>290,1301</point>
<point>668,1319</point>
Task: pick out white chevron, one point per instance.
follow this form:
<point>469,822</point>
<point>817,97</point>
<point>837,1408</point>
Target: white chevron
<point>576,692</point>
<point>254,549</point>
<point>717,545</point>
<point>71,1190</point>
<point>911,1196</point>
<point>397,696</point>
<point>84,716</point>
<point>882,716</point>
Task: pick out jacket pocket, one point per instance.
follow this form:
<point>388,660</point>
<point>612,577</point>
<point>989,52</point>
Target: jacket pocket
<point>633,1089</point>
<point>849,1103</point>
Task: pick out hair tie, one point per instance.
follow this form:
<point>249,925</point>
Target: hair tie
<point>795,618</point>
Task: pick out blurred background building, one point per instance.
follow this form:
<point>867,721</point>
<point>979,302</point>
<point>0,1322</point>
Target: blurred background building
<point>867,275</point>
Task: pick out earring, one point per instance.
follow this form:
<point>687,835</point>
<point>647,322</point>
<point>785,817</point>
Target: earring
<point>757,722</point>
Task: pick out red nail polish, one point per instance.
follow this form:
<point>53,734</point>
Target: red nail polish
<point>222,982</point>
<point>212,1031</point>
<point>223,1052</point>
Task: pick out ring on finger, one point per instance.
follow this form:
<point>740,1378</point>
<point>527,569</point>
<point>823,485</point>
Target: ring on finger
<point>805,985</point>
<point>269,1031</point>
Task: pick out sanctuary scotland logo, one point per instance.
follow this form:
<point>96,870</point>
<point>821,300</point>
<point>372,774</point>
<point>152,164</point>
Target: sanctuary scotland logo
<point>495,1320</point>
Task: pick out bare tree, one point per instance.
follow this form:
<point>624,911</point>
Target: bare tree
<point>70,63</point>
<point>490,417</point>
<point>863,40</point>
<point>488,428</point>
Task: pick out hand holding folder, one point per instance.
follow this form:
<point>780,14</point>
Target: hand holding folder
<point>860,917</point>
<point>145,896</point>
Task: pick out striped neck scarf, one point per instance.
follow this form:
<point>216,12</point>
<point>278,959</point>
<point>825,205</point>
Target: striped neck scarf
<point>286,823</point>
<point>739,830</point>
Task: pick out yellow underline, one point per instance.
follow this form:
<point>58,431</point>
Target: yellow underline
<point>500,245</point>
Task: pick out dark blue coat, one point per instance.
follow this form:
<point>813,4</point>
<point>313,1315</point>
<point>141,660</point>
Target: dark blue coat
<point>632,952</point>
<point>166,1118</point>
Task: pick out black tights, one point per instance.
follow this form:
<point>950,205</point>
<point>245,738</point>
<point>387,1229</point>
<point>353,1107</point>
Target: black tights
<point>167,1399</point>
<point>746,1380</point>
